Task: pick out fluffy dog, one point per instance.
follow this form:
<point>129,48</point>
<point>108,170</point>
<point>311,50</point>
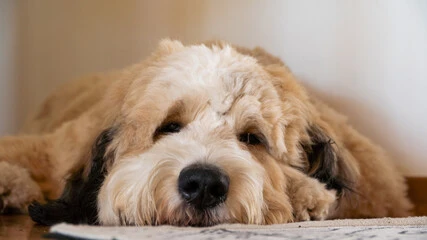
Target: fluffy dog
<point>195,135</point>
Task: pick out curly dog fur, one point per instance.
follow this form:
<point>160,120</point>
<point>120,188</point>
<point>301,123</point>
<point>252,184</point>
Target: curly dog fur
<point>113,148</point>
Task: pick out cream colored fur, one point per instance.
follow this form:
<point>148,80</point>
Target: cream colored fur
<point>217,92</point>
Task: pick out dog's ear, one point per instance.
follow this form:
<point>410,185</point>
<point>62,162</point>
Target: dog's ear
<point>78,202</point>
<point>325,162</point>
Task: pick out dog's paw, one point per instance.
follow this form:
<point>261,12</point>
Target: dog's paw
<point>17,189</point>
<point>312,201</point>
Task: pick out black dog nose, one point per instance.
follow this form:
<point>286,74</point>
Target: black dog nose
<point>203,186</point>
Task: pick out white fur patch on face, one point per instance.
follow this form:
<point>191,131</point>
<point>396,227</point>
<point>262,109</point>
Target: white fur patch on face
<point>143,189</point>
<point>222,92</point>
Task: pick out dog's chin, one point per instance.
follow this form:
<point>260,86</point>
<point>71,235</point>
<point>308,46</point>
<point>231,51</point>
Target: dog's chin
<point>187,215</point>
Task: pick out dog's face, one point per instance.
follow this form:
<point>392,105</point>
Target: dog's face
<point>201,136</point>
<point>199,144</point>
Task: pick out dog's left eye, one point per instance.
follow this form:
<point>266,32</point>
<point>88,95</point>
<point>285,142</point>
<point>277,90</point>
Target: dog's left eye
<point>250,138</point>
<point>172,127</point>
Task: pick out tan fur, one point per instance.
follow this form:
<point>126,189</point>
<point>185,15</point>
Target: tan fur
<point>17,187</point>
<point>216,92</point>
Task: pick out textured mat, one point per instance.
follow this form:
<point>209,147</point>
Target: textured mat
<point>381,228</point>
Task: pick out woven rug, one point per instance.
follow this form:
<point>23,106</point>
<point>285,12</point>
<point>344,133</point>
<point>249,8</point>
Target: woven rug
<point>380,228</point>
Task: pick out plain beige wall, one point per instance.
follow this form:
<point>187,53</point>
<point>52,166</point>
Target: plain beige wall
<point>366,58</point>
<point>8,66</point>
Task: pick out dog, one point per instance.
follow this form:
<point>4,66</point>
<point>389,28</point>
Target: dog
<point>195,135</point>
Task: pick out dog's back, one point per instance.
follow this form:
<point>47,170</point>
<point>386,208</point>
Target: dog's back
<point>68,102</point>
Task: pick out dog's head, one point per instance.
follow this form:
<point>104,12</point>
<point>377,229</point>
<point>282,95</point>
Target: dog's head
<point>202,135</point>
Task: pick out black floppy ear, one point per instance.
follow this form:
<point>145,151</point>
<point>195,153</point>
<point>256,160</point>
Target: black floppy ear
<point>325,161</point>
<point>78,202</point>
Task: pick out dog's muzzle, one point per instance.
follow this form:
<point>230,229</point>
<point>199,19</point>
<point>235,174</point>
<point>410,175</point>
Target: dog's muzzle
<point>203,186</point>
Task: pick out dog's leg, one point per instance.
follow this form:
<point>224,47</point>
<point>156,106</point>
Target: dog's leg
<point>25,171</point>
<point>309,198</point>
<point>17,188</point>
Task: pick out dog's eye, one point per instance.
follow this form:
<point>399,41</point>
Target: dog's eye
<point>172,127</point>
<point>250,138</point>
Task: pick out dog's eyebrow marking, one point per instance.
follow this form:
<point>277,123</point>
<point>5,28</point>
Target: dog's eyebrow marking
<point>174,113</point>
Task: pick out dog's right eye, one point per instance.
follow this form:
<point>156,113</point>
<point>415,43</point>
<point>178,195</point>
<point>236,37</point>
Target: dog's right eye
<point>172,127</point>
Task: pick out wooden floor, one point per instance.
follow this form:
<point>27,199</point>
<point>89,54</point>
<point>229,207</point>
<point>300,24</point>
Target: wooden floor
<point>418,194</point>
<point>22,227</point>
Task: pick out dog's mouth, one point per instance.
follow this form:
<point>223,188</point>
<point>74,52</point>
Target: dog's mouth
<point>202,220</point>
<point>188,215</point>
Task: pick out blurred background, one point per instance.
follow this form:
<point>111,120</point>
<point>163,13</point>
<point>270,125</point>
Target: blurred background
<point>366,58</point>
